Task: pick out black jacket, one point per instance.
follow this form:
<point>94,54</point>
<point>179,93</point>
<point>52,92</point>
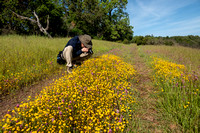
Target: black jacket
<point>76,44</point>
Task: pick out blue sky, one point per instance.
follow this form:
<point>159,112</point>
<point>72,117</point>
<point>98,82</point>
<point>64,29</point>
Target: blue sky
<point>164,17</point>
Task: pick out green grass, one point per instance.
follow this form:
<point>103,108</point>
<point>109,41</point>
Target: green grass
<point>189,57</point>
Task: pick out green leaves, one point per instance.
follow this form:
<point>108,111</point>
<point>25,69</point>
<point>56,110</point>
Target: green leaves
<point>105,19</point>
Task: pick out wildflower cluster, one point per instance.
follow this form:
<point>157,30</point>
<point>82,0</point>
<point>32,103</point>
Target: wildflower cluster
<point>96,97</point>
<point>168,69</point>
<point>179,92</point>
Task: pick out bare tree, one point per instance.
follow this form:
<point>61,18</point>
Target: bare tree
<point>37,21</point>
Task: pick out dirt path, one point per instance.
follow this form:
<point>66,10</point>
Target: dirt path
<point>150,116</point>
<point>147,115</point>
<point>146,112</point>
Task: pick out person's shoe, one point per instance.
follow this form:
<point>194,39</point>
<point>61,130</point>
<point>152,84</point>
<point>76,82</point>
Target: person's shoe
<point>78,63</point>
<point>69,69</point>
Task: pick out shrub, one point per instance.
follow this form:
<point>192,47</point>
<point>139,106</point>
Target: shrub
<point>169,43</point>
<point>125,41</point>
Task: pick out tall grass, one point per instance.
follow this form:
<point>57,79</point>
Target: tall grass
<point>26,59</point>
<point>177,85</point>
<point>179,93</point>
<point>189,57</point>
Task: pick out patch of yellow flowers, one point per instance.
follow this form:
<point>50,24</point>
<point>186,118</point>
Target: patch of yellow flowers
<point>96,97</point>
<point>167,69</point>
<point>174,79</point>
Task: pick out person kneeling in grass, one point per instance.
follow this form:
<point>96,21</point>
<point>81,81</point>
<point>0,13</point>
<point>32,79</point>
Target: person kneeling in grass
<point>78,49</point>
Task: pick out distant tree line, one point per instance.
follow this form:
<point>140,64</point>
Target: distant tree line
<point>188,41</point>
<point>102,19</point>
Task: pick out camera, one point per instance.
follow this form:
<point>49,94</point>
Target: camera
<point>90,51</point>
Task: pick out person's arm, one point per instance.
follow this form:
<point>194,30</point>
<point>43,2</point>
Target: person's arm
<point>78,52</point>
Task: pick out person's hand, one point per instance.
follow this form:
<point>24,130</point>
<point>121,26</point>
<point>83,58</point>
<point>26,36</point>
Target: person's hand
<point>85,49</point>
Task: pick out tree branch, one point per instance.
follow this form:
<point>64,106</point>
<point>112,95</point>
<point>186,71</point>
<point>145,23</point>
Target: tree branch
<point>47,27</point>
<point>22,17</point>
<point>37,21</point>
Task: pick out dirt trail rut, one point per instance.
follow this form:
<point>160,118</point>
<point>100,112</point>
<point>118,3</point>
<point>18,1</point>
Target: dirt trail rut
<point>146,113</point>
<point>9,102</point>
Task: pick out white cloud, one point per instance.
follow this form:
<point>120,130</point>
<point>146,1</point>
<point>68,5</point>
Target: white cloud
<point>185,27</point>
<point>155,14</point>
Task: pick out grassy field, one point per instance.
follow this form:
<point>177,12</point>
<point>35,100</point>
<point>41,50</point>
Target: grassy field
<point>128,88</point>
<point>189,57</point>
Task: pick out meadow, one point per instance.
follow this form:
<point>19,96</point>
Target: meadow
<point>103,94</point>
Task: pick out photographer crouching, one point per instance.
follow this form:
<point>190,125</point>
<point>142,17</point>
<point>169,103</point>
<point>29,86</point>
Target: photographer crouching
<point>77,50</point>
